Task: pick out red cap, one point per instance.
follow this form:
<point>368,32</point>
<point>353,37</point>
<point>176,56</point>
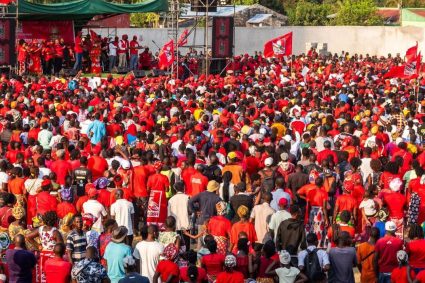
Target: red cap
<point>46,182</point>
<point>283,202</point>
<point>92,192</point>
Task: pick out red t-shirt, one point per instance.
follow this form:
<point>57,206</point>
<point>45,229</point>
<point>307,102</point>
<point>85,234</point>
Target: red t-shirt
<point>97,166</point>
<point>158,182</point>
<point>186,174</point>
<point>202,275</point>
<point>213,263</point>
<point>199,183</point>
<point>61,168</point>
<point>233,277</point>
<point>421,276</point>
<point>219,226</point>
<point>138,181</point>
<point>78,48</point>
<point>46,202</point>
<point>134,44</point>
<point>104,197</point>
<point>416,251</point>
<point>64,208</point>
<point>395,203</point>
<point>166,268</point>
<point>387,247</point>
<point>399,275</point>
<point>345,202</point>
<point>316,197</point>
<point>57,270</point>
<point>246,227</point>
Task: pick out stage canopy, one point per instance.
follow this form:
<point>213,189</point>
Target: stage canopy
<point>84,9</point>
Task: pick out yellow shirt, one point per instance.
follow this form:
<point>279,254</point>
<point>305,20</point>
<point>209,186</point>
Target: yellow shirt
<point>281,129</point>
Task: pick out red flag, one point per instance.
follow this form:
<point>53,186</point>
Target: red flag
<point>6,2</point>
<point>183,38</point>
<point>279,46</point>
<point>166,55</point>
<point>406,71</point>
<point>93,34</point>
<point>412,53</point>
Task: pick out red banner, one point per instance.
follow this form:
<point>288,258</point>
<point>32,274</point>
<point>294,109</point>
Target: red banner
<point>39,30</point>
<point>279,46</point>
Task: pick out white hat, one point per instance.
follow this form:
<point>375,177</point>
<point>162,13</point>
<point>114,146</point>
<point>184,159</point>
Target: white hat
<point>390,226</point>
<point>268,161</point>
<point>287,138</point>
<point>285,257</point>
<point>395,184</point>
<point>125,164</point>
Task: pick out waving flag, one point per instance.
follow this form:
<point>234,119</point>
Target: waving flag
<point>409,70</point>
<point>279,46</point>
<point>183,38</point>
<point>166,55</point>
<point>412,53</point>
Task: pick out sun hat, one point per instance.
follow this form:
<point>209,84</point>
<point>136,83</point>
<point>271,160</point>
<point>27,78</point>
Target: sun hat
<point>213,186</point>
<point>119,234</point>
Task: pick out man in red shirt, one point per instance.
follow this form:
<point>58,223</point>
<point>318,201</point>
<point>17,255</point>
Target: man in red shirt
<point>56,268</point>
<point>78,49</point>
<point>198,181</point>
<point>327,153</point>
<point>187,174</point>
<point>61,167</point>
<point>386,250</point>
<point>134,53</point>
<point>97,164</point>
<point>44,200</point>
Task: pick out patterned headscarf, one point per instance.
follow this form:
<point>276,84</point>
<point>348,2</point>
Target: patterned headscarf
<point>89,219</point>
<point>18,212</point>
<point>221,208</point>
<point>242,211</point>
<point>230,261</point>
<point>170,252</point>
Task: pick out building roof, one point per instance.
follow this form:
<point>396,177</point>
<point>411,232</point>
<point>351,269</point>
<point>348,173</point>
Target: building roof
<point>222,11</point>
<point>259,18</point>
<point>390,15</point>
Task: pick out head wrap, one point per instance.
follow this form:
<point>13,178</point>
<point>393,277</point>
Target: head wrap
<point>221,208</point>
<point>18,212</point>
<point>242,211</point>
<point>88,219</point>
<point>230,261</point>
<point>402,256</point>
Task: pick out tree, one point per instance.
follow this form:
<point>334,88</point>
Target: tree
<point>310,14</point>
<point>146,20</point>
<point>357,13</point>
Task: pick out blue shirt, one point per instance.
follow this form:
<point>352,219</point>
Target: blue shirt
<point>96,131</point>
<point>114,255</point>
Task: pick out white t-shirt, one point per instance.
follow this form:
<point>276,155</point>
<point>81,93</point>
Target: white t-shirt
<point>32,185</point>
<point>369,207</point>
<point>287,275</point>
<point>97,210</point>
<point>4,178</point>
<point>122,209</point>
<point>44,172</point>
<point>148,253</point>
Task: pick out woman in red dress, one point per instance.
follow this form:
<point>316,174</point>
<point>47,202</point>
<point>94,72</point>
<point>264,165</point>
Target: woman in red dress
<point>95,53</point>
<point>22,57</point>
<point>34,66</point>
<point>242,226</point>
<point>157,205</point>
<point>219,227</point>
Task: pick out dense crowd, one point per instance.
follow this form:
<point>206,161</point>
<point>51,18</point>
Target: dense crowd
<point>267,174</point>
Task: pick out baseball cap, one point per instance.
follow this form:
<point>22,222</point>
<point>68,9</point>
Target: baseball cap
<point>285,257</point>
<point>283,202</point>
<point>268,161</point>
<point>390,226</point>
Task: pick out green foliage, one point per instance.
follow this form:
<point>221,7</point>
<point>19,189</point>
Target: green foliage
<point>310,14</point>
<point>147,20</point>
<point>357,12</point>
<point>276,5</point>
<point>246,2</point>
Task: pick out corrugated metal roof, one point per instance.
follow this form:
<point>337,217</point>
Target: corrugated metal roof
<point>259,18</point>
<point>222,11</point>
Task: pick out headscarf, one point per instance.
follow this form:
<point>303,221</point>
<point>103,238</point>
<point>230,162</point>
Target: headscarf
<point>402,256</point>
<point>157,165</point>
<point>18,212</point>
<point>230,261</point>
<point>170,252</point>
<point>221,208</point>
<point>242,211</point>
<point>89,219</point>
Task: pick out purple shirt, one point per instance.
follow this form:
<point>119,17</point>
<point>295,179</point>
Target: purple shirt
<point>20,264</point>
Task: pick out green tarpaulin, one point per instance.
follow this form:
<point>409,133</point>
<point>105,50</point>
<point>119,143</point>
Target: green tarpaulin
<point>83,9</point>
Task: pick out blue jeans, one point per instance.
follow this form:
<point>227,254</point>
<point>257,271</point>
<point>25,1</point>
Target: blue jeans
<point>112,62</point>
<point>133,62</point>
<point>384,277</point>
<point>78,61</point>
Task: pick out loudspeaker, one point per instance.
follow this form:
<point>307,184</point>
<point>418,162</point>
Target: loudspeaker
<point>7,42</point>
<point>222,37</point>
<point>201,5</point>
<point>68,72</point>
<point>139,73</point>
<point>122,70</point>
<point>158,73</point>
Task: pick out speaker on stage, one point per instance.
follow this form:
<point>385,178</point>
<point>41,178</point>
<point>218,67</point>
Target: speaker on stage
<point>201,5</point>
<point>7,42</point>
<point>222,37</point>
<point>122,70</point>
<point>139,74</point>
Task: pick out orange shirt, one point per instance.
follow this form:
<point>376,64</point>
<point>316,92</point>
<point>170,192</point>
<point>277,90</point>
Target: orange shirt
<point>365,257</point>
<point>346,202</point>
<point>138,181</point>
<point>199,183</point>
<point>16,186</point>
<point>317,197</point>
<point>246,227</point>
<point>237,172</point>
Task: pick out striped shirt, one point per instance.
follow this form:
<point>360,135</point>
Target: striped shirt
<point>77,244</point>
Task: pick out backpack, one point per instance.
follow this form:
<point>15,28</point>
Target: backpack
<point>312,264</point>
<point>73,85</point>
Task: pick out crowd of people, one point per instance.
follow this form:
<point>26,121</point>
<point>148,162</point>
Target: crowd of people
<point>93,54</point>
<point>266,174</point>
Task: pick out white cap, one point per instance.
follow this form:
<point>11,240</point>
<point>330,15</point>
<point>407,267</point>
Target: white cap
<point>268,161</point>
<point>390,226</point>
<point>285,257</point>
<point>395,184</point>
